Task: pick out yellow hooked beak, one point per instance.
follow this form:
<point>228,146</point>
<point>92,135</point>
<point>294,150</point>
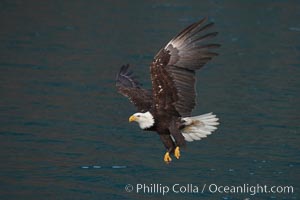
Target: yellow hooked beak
<point>132,118</point>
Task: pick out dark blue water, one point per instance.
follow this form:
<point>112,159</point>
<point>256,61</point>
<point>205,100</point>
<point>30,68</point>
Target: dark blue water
<point>64,132</point>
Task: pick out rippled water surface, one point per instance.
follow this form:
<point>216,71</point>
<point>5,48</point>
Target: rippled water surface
<point>64,132</point>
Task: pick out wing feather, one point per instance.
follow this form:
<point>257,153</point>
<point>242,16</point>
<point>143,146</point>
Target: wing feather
<point>129,87</point>
<point>173,68</point>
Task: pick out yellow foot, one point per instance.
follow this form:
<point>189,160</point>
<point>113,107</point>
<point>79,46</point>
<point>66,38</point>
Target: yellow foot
<point>167,158</point>
<point>177,152</point>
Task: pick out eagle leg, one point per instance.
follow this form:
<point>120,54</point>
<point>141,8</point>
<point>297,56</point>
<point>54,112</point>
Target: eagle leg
<point>177,152</point>
<point>178,137</point>
<point>169,145</point>
<point>167,157</point>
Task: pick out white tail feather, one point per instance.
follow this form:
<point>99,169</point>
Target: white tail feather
<point>199,127</point>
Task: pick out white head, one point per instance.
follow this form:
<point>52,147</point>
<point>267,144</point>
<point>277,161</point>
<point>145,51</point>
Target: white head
<point>145,120</point>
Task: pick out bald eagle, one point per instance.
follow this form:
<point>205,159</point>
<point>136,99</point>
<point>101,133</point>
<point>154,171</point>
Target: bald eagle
<point>166,108</point>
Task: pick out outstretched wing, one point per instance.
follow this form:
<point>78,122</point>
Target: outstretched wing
<point>128,86</point>
<point>173,68</point>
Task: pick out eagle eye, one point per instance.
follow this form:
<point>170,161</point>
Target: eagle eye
<point>138,115</point>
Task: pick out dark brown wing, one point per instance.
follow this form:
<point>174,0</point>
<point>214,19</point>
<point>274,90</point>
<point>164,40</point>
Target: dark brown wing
<point>128,86</point>
<point>173,68</point>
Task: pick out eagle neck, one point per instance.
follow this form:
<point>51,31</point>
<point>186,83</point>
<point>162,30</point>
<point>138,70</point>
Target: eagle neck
<point>148,121</point>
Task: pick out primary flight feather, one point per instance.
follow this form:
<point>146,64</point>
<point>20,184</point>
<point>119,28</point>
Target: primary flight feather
<point>167,107</point>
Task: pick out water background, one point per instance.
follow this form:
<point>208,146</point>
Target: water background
<point>64,131</point>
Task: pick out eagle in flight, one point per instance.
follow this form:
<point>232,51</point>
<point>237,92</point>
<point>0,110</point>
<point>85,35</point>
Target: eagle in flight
<point>167,107</point>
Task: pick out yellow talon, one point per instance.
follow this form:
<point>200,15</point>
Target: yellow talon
<point>177,152</point>
<point>167,158</point>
